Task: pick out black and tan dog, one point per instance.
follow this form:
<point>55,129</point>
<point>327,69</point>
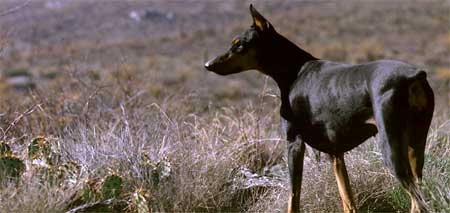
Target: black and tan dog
<point>334,107</point>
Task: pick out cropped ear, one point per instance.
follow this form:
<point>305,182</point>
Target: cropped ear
<point>259,21</point>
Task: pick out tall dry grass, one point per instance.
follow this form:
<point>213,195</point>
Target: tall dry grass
<point>219,159</point>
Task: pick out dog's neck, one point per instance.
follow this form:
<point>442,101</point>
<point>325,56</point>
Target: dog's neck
<point>282,62</point>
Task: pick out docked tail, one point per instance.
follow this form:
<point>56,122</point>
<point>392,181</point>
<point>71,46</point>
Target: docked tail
<point>420,96</point>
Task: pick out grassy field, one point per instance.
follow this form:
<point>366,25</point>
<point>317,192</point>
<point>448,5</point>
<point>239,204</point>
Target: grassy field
<point>107,106</point>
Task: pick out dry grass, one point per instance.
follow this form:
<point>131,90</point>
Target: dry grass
<point>144,108</point>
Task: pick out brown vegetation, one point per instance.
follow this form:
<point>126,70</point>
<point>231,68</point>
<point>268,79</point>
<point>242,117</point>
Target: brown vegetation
<point>132,97</point>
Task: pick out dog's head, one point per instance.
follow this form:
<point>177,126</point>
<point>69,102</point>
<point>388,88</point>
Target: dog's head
<point>244,50</point>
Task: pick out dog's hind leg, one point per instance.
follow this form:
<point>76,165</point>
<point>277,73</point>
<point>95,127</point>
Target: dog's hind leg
<point>391,118</point>
<point>343,181</point>
<point>416,150</point>
<point>421,107</point>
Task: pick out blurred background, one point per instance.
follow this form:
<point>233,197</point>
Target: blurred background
<point>45,37</point>
<point>113,81</point>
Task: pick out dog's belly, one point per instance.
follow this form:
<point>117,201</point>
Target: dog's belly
<point>333,139</point>
<point>337,126</point>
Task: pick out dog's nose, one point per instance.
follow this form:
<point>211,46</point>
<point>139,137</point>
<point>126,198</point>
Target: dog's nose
<point>208,65</point>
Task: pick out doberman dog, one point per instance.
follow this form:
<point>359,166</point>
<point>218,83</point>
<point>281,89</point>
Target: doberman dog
<point>334,107</point>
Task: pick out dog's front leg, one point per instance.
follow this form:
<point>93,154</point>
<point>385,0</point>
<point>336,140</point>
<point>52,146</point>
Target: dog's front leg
<point>296,152</point>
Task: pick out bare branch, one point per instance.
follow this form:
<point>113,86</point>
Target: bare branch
<point>14,9</point>
<point>18,118</point>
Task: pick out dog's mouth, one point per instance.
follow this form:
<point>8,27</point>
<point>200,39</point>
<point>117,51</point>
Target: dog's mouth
<point>217,68</point>
<point>221,71</point>
<point>222,66</point>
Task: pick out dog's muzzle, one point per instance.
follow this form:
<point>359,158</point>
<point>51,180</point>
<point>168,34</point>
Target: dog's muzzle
<point>209,65</point>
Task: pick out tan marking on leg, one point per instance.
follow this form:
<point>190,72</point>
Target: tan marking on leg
<point>418,204</point>
<point>294,203</point>
<point>414,206</point>
<point>371,120</point>
<point>413,163</point>
<point>291,204</point>
<point>343,182</point>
